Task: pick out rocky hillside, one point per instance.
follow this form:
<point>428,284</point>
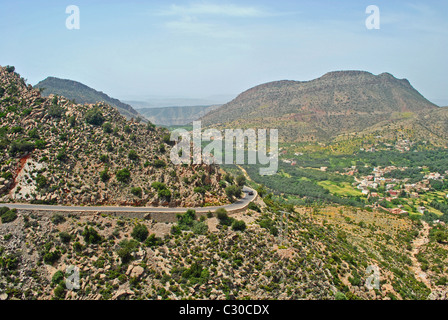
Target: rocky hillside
<point>175,116</point>
<point>81,93</point>
<point>306,253</point>
<point>338,102</point>
<point>55,151</point>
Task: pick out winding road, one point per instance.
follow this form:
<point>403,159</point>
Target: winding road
<point>238,205</point>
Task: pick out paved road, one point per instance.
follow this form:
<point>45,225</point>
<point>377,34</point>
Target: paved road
<point>241,203</point>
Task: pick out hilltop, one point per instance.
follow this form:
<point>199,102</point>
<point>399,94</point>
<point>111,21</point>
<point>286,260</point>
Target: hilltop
<point>55,151</point>
<point>318,110</point>
<point>81,93</point>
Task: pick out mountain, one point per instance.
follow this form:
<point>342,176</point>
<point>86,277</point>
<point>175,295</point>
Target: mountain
<point>320,109</point>
<point>81,93</point>
<point>55,151</point>
<point>170,116</point>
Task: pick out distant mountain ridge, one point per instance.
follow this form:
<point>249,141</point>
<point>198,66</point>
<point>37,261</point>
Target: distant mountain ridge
<point>320,109</point>
<point>170,116</point>
<point>81,93</point>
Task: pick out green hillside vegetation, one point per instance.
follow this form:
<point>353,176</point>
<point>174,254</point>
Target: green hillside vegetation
<point>55,151</point>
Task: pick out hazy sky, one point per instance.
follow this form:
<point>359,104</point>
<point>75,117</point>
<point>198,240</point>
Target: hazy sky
<point>136,49</point>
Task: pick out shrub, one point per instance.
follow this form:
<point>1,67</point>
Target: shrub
<point>9,261</point>
<point>253,206</point>
<point>159,164</point>
<point>240,180</point>
<point>166,139</point>
<point>33,133</point>
<point>238,225</point>
<point>164,194</point>
<point>65,237</point>
<point>9,216</point>
<point>58,276</point>
<point>27,111</point>
<point>153,241</point>
<point>10,69</point>
<point>104,158</point>
<point>199,190</point>
<point>52,257</point>
<point>40,144</point>
<point>107,127</point>
<point>140,232</point>
<point>55,111</point>
<point>186,220</point>
<point>62,155</point>
<point>175,230</point>
<point>149,126</point>
<point>132,155</point>
<point>233,191</point>
<point>137,191</point>
<point>221,213</point>
<point>72,121</point>
<point>59,292</point>
<point>91,236</point>
<point>223,218</point>
<point>158,185</point>
<point>21,147</point>
<point>127,247</point>
<point>200,228</point>
<point>16,129</point>
<point>77,246</point>
<point>123,175</point>
<point>41,182</point>
<point>340,296</point>
<point>94,117</point>
<point>7,175</point>
<point>57,219</point>
<point>109,147</point>
<point>104,175</point>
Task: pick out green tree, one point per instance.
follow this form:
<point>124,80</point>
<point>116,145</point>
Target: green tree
<point>65,237</point>
<point>233,191</point>
<point>107,127</point>
<point>58,276</point>
<point>9,216</point>
<point>123,175</point>
<point>240,180</point>
<point>223,218</point>
<point>238,225</point>
<point>91,236</point>
<point>137,191</point>
<point>94,117</point>
<point>140,232</point>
